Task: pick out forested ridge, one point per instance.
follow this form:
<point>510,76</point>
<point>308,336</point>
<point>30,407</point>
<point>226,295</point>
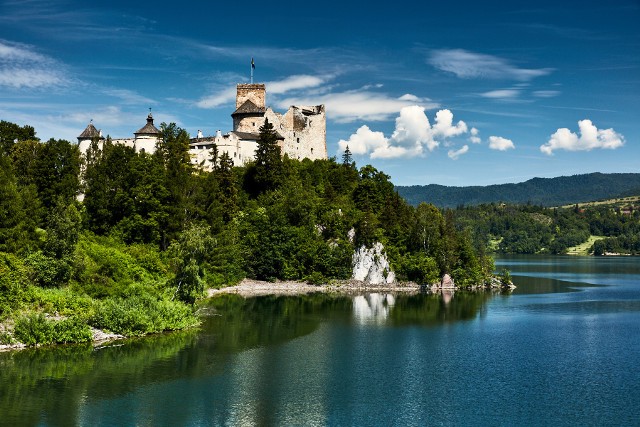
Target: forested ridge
<point>530,229</point>
<point>560,191</point>
<point>153,231</point>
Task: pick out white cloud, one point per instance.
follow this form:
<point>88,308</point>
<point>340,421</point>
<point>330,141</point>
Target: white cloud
<point>444,126</point>
<point>413,135</point>
<point>278,87</point>
<point>474,138</point>
<point>364,141</point>
<point>501,94</point>
<point>294,83</point>
<point>467,65</point>
<point>345,107</point>
<point>225,96</point>
<point>21,67</point>
<point>501,144</point>
<point>454,154</point>
<point>590,138</point>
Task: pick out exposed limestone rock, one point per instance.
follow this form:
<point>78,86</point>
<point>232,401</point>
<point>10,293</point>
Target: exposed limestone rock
<point>371,265</point>
<point>447,282</point>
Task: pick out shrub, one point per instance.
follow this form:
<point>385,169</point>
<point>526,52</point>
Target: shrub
<point>13,283</point>
<point>71,330</point>
<point>34,329</point>
<point>141,314</point>
<point>48,271</point>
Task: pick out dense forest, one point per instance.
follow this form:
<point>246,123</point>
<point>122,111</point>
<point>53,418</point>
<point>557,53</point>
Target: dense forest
<point>127,242</point>
<point>565,190</point>
<point>530,229</point>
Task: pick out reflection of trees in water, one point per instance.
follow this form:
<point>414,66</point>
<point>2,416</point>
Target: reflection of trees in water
<point>240,323</point>
<point>434,309</point>
<point>48,385</point>
<point>51,385</point>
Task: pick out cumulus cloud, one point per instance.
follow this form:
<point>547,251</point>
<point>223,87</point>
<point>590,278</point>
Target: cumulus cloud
<point>501,144</point>
<point>364,141</point>
<point>454,154</point>
<point>444,126</point>
<point>413,135</point>
<point>22,67</point>
<point>590,137</point>
<point>474,138</point>
<point>469,65</point>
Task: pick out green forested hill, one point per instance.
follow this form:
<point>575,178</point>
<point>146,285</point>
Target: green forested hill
<point>539,191</point>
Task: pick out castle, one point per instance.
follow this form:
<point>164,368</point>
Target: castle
<point>301,132</point>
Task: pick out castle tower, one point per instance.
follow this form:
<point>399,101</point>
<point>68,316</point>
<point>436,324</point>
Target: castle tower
<point>89,134</point>
<point>147,136</point>
<point>250,108</point>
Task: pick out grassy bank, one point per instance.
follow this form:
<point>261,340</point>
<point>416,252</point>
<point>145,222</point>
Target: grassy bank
<point>120,289</point>
<point>583,248</point>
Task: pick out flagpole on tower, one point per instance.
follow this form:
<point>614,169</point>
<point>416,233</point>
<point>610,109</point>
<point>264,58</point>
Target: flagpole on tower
<point>253,67</point>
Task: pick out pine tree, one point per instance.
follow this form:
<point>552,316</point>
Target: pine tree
<point>347,159</point>
<point>268,168</point>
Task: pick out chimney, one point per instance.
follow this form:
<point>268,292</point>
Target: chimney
<point>218,134</point>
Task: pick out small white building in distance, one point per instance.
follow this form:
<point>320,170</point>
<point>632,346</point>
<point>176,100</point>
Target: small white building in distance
<point>302,132</point>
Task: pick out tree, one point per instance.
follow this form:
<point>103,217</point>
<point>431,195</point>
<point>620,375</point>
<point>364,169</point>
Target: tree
<point>228,197</point>
<point>10,133</point>
<point>267,171</point>
<point>174,153</point>
<point>57,172</point>
<point>347,159</point>
<point>188,255</point>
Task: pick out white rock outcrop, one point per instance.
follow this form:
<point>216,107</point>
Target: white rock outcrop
<point>372,266</point>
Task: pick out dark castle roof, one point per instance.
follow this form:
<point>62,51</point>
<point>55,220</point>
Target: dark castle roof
<point>248,108</point>
<point>149,128</point>
<point>90,132</point>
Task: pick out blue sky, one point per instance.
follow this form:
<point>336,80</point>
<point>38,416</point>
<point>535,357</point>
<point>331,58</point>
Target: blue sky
<point>453,93</point>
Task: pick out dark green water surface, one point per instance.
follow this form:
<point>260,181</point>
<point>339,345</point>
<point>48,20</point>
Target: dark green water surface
<point>563,349</point>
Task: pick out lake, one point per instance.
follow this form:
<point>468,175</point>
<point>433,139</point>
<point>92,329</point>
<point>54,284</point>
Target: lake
<point>562,349</point>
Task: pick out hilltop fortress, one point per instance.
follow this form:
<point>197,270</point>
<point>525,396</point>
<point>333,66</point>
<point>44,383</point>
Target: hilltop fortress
<point>301,131</point>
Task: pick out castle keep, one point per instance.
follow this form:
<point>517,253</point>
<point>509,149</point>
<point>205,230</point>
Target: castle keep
<point>301,132</point>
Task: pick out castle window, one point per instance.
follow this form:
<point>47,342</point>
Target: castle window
<point>312,151</point>
<point>235,154</point>
<point>298,140</point>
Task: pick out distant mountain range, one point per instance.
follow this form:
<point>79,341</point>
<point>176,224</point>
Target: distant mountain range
<point>559,191</point>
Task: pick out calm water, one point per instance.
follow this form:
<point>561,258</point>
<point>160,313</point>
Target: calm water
<point>563,349</point>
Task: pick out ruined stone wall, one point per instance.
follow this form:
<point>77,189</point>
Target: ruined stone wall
<point>256,93</point>
<point>306,136</point>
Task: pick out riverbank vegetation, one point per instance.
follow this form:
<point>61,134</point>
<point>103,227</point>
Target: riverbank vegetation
<point>153,231</point>
<point>598,228</point>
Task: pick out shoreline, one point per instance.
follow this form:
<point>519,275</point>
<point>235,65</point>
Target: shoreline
<point>251,288</point>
